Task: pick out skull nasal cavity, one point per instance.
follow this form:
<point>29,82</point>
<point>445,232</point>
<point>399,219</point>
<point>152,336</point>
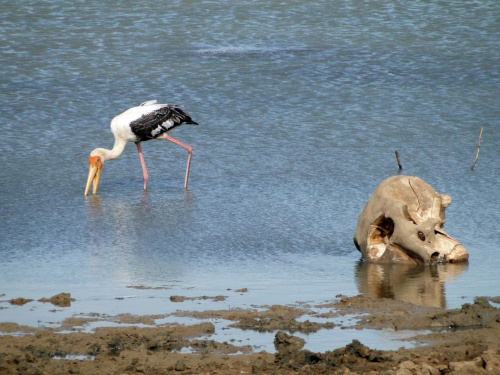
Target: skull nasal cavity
<point>383,228</point>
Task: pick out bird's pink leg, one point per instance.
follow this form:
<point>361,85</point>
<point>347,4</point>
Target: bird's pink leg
<point>145,175</point>
<point>190,153</point>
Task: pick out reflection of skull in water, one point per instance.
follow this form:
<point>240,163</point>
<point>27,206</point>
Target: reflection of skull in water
<point>403,222</point>
<point>419,285</point>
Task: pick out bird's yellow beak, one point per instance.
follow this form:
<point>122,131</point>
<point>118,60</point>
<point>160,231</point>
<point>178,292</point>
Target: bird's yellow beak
<point>95,167</point>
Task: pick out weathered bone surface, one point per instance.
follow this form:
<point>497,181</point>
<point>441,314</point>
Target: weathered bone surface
<point>403,222</point>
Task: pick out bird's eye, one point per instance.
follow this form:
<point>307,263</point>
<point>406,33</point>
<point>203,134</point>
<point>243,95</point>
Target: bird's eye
<point>421,235</point>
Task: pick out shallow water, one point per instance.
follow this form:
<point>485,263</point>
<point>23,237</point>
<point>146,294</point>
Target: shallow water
<point>301,106</point>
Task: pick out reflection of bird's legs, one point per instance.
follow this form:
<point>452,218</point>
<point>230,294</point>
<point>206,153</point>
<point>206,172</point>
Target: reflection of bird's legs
<point>144,170</point>
<point>190,153</point>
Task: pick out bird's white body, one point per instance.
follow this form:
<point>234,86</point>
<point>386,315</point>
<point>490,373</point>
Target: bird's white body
<point>120,125</point>
<point>147,121</point>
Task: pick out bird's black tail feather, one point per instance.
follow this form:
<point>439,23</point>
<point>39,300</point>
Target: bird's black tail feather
<point>182,115</point>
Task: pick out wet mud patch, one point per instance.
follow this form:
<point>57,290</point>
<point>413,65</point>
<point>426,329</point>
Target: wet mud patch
<point>383,313</point>
<point>73,322</point>
<point>463,341</point>
<point>182,298</point>
<point>268,319</point>
<point>137,319</point>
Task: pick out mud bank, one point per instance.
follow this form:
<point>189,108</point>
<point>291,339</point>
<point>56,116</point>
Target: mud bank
<point>457,341</point>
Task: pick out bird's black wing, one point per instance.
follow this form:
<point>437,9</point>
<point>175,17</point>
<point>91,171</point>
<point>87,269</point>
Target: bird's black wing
<point>157,122</point>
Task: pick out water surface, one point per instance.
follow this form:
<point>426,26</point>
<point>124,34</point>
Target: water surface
<point>301,106</point>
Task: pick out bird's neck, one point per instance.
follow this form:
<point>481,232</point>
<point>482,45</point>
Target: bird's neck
<point>106,154</point>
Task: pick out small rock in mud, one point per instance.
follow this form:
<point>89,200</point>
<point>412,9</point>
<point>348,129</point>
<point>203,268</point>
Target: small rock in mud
<point>287,343</point>
<point>180,365</point>
<point>260,365</point>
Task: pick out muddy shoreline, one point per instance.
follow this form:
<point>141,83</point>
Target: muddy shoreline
<point>455,341</point>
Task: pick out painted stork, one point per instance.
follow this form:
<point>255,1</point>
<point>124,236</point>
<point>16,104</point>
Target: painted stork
<point>147,121</point>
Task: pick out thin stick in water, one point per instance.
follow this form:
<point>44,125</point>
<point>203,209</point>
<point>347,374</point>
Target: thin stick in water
<point>478,147</point>
<point>399,161</point>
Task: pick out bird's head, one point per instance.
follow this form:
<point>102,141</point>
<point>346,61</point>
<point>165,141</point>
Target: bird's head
<point>95,167</point>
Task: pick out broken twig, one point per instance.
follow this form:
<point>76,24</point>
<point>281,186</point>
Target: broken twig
<point>399,161</point>
<point>478,147</point>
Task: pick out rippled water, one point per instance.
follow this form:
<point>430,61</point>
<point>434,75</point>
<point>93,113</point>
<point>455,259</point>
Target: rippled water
<point>301,106</point>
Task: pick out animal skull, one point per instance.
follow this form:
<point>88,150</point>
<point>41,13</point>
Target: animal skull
<point>403,222</point>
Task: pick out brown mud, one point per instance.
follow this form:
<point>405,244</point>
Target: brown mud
<point>458,341</point>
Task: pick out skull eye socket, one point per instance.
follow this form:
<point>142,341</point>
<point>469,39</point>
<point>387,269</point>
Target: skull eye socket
<point>421,235</point>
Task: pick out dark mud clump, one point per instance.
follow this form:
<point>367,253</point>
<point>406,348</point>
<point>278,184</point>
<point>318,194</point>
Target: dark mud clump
<point>356,358</point>
<point>479,314</point>
<point>19,301</point>
<point>61,300</point>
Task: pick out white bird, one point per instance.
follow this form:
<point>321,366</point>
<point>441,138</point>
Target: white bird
<point>147,121</point>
